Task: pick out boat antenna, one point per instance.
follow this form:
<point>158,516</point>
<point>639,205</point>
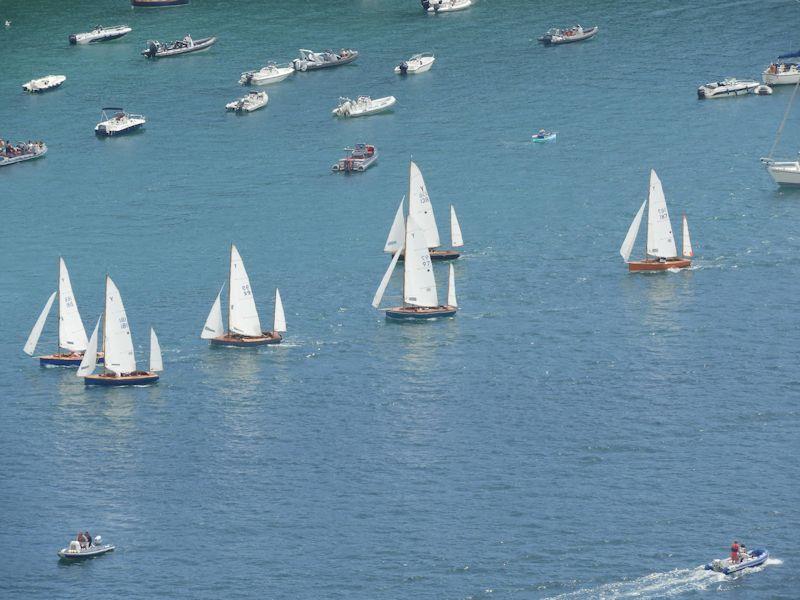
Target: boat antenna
<point>783,122</point>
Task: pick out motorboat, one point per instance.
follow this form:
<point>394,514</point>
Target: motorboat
<point>557,36</point>
<point>360,158</point>
<point>78,551</point>
<point>249,102</point>
<point>784,173</point>
<point>544,136</point>
<point>43,84</point>
<point>14,153</point>
<point>746,560</point>
<point>763,90</point>
<point>784,71</point>
<point>437,6</point>
<point>156,49</point>
<point>363,106</point>
<point>310,60</point>
<point>119,122</point>
<point>726,88</point>
<point>272,73</point>
<point>100,34</point>
<point>419,63</point>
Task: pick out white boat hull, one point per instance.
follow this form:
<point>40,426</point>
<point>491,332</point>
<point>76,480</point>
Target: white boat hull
<point>788,78</point>
<point>442,6</point>
<point>415,67</point>
<point>356,109</point>
<point>785,173</point>
<point>44,83</point>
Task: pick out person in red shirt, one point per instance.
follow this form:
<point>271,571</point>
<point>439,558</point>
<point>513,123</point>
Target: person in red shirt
<point>735,552</point>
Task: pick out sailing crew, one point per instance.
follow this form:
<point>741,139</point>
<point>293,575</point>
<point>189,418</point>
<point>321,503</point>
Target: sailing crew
<point>88,539</point>
<point>81,539</point>
<point>735,552</point>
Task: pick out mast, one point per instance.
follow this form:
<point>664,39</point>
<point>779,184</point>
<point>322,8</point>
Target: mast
<point>105,327</point>
<point>230,287</point>
<point>58,320</point>
<point>405,232</point>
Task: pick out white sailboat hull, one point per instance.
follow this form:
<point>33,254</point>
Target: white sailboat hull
<point>785,174</point>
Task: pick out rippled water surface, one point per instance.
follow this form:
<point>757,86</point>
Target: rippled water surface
<point>576,431</point>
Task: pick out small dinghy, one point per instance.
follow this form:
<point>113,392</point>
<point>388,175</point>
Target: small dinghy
<point>361,158</point>
<point>272,73</point>
<point>746,560</point>
<point>43,84</point>
<point>726,88</point>
<point>310,60</point>
<point>437,6</point>
<point>763,90</point>
<point>363,106</point>
<point>419,63</point>
<point>556,36</point>
<point>79,551</point>
<point>120,122</point>
<point>248,103</point>
<point>14,153</point>
<point>544,136</point>
<point>100,34</point>
<point>156,49</point>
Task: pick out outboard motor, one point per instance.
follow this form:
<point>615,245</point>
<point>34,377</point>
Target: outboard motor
<point>73,39</point>
<point>152,49</point>
<point>403,68</point>
<point>426,4</point>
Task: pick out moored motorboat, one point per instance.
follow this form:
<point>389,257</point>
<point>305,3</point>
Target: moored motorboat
<point>310,60</point>
<point>363,106</point>
<point>244,326</point>
<point>72,342</point>
<point>419,63</point>
<point>543,136</point>
<point>78,551</point>
<point>272,73</point>
<point>249,102</point>
<point>43,84</point>
<point>784,71</point>
<point>726,88</point>
<point>14,153</point>
<point>119,366</point>
<point>100,34</point>
<point>120,122</point>
<point>557,36</point>
<point>437,6</point>
<point>660,251</point>
<point>360,158</point>
<point>156,49</point>
<point>745,560</point>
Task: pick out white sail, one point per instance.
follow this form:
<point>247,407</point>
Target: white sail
<point>36,332</point>
<point>243,316</point>
<point>455,229</point>
<point>687,242</point>
<point>451,288</point>
<point>71,334</point>
<point>397,234</point>
<point>214,326</point>
<point>89,361</point>
<point>660,242</point>
<point>633,231</point>
<point>156,364</point>
<point>419,205</point>
<point>420,283</point>
<point>280,316</point>
<point>376,301</point>
<point>119,356</point>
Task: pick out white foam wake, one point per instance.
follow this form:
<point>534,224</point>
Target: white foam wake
<point>655,585</point>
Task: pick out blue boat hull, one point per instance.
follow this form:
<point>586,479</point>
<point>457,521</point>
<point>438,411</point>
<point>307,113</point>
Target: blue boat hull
<point>55,360</point>
<point>756,557</point>
<point>109,381</point>
<point>437,255</point>
<point>421,314</point>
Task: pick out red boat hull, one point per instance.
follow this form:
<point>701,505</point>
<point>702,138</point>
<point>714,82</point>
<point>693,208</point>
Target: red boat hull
<point>652,264</point>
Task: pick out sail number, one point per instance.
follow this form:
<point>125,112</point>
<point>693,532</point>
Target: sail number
<point>246,290</point>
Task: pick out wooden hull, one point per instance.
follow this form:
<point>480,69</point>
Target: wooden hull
<point>657,265</point>
<point>66,360</point>
<point>438,255</point>
<point>139,378</point>
<point>239,341</point>
<point>413,313</point>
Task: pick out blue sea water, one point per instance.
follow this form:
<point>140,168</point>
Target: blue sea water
<point>576,431</point>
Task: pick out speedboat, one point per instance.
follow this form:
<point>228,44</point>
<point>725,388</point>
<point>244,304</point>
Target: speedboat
<point>749,560</point>
<point>725,88</point>
<point>249,102</point>
<point>361,158</point>
<point>762,90</point>
<point>156,49</point>
<point>784,173</point>
<point>544,136</point>
<point>784,71</point>
<point>437,6</point>
<point>556,36</point>
<point>50,82</point>
<point>10,153</point>
<point>419,63</point>
<point>310,60</point>
<point>75,552</point>
<point>120,122</point>
<point>100,34</point>
<point>272,73</point>
<point>363,106</point>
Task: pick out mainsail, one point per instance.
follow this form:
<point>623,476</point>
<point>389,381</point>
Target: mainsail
<point>242,316</point>
<point>156,364</point>
<point>420,284</point>
<point>687,242</point>
<point>660,242</point>
<point>119,356</point>
<point>451,288</point>
<point>419,205</point>
<point>280,317</point>
<point>71,334</point>
<point>455,229</point>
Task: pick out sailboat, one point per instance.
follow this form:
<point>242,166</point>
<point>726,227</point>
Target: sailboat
<point>785,173</point>
<point>660,251</point>
<point>71,334</point>
<point>420,206</point>
<point>120,362</point>
<point>420,299</point>
<point>244,326</point>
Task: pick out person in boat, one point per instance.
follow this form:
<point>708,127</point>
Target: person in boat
<point>735,552</point>
<point>742,552</point>
<point>88,537</point>
<point>81,539</point>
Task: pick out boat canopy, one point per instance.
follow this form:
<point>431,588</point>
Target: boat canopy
<point>789,55</point>
<point>112,108</point>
